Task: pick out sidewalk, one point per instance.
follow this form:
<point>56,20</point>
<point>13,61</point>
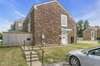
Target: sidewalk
<point>58,64</point>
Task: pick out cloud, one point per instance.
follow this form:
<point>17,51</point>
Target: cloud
<point>92,14</point>
<point>4,25</point>
<point>19,14</point>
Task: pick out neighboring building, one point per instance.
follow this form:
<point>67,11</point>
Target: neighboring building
<point>17,38</point>
<point>92,33</point>
<point>17,26</point>
<point>50,23</point>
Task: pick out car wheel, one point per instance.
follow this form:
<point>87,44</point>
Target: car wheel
<point>74,61</point>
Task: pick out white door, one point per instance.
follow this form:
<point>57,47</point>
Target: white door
<point>64,37</point>
<point>92,35</point>
<point>64,40</point>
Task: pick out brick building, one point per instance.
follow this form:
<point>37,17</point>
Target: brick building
<point>92,33</point>
<point>50,23</point>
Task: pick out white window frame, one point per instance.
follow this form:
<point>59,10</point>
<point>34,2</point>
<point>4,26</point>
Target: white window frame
<point>64,20</point>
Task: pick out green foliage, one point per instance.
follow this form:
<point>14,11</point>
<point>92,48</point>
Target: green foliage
<point>81,26</point>
<point>0,35</point>
<point>12,28</point>
<point>86,24</point>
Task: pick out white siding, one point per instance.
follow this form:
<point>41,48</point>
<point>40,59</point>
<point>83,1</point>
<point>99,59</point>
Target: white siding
<point>17,38</point>
<point>93,35</point>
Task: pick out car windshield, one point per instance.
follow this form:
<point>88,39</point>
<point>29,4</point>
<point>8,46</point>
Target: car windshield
<point>92,50</point>
<point>85,50</point>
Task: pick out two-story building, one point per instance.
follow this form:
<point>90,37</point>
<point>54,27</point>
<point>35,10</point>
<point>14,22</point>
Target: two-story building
<point>50,23</point>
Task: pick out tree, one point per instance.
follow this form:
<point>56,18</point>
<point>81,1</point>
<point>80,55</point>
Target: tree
<point>12,28</point>
<point>0,35</point>
<point>81,26</point>
<point>86,24</point>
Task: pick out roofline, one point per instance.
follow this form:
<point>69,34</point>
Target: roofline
<point>45,3</point>
<point>90,27</point>
<point>36,5</point>
<point>56,1</point>
<point>86,30</point>
<point>66,11</point>
<point>52,2</point>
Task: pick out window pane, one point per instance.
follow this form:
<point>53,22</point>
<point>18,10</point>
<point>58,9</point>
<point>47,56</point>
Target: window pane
<point>64,20</point>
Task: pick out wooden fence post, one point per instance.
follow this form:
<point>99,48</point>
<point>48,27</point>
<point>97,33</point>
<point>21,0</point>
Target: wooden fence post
<point>30,58</point>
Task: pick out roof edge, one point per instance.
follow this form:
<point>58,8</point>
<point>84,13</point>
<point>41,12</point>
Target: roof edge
<point>45,3</point>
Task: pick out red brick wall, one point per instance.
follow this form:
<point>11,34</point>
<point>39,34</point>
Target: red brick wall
<point>87,33</point>
<point>46,19</point>
<point>98,33</point>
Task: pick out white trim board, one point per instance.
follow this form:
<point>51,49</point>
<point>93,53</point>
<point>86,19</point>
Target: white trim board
<point>51,2</point>
<point>56,1</point>
<point>45,3</point>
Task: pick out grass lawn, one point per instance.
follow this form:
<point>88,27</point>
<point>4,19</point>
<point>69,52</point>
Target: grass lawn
<point>57,54</point>
<point>11,56</point>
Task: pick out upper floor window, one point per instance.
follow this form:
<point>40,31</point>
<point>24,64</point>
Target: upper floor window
<point>64,20</point>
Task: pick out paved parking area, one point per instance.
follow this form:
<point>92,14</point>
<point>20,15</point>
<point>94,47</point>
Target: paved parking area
<point>59,64</point>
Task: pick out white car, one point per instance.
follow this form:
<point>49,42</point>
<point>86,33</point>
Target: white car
<point>85,57</point>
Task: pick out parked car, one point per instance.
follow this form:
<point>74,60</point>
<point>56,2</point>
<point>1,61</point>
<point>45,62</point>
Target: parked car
<point>85,57</point>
